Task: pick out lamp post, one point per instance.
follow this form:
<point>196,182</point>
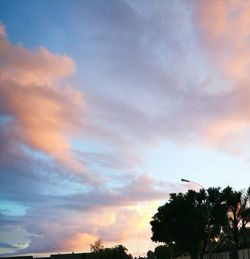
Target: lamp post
<point>207,214</point>
<point>189,181</point>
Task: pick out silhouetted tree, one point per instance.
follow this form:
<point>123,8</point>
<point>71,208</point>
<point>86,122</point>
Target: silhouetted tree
<point>238,213</point>
<point>151,255</point>
<point>181,221</point>
<point>97,246</point>
<point>166,252</point>
<point>216,218</point>
<point>190,221</point>
<point>116,252</point>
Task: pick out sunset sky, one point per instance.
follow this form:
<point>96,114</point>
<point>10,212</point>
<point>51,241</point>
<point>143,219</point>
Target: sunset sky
<point>106,105</point>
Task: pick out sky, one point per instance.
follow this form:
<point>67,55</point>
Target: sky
<point>106,105</point>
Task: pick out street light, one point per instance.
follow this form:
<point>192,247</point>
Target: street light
<point>207,212</point>
<point>189,181</point>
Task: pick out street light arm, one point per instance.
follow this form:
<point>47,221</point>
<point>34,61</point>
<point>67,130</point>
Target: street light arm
<point>188,181</point>
<point>185,180</point>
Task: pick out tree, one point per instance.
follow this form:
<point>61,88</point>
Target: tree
<point>190,221</point>
<point>116,252</point>
<point>151,255</point>
<point>245,215</point>
<point>97,246</point>
<point>165,252</point>
<point>216,218</point>
<point>181,222</point>
<point>121,249</point>
<point>119,252</point>
<point>238,213</point>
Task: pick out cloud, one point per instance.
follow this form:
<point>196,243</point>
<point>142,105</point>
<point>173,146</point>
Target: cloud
<point>147,80</point>
<point>77,214</point>
<point>37,101</point>
<point>224,31</point>
<point>80,241</point>
<point>181,79</point>
<point>2,31</point>
<point>135,223</point>
<point>8,246</point>
<point>113,225</point>
<point>40,67</point>
<point>77,218</point>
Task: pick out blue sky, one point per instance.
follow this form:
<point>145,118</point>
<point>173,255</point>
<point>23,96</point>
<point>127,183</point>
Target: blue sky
<point>106,105</point>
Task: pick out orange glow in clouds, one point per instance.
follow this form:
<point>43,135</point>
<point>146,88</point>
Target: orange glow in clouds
<point>39,104</point>
<point>224,27</point>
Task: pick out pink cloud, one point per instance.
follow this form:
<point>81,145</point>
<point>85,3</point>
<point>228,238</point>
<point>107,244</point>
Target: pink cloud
<point>79,242</point>
<point>113,225</point>
<point>224,29</point>
<point>39,67</point>
<point>45,110</point>
<point>2,31</point>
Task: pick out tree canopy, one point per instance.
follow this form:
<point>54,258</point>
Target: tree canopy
<point>116,252</point>
<point>197,222</point>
